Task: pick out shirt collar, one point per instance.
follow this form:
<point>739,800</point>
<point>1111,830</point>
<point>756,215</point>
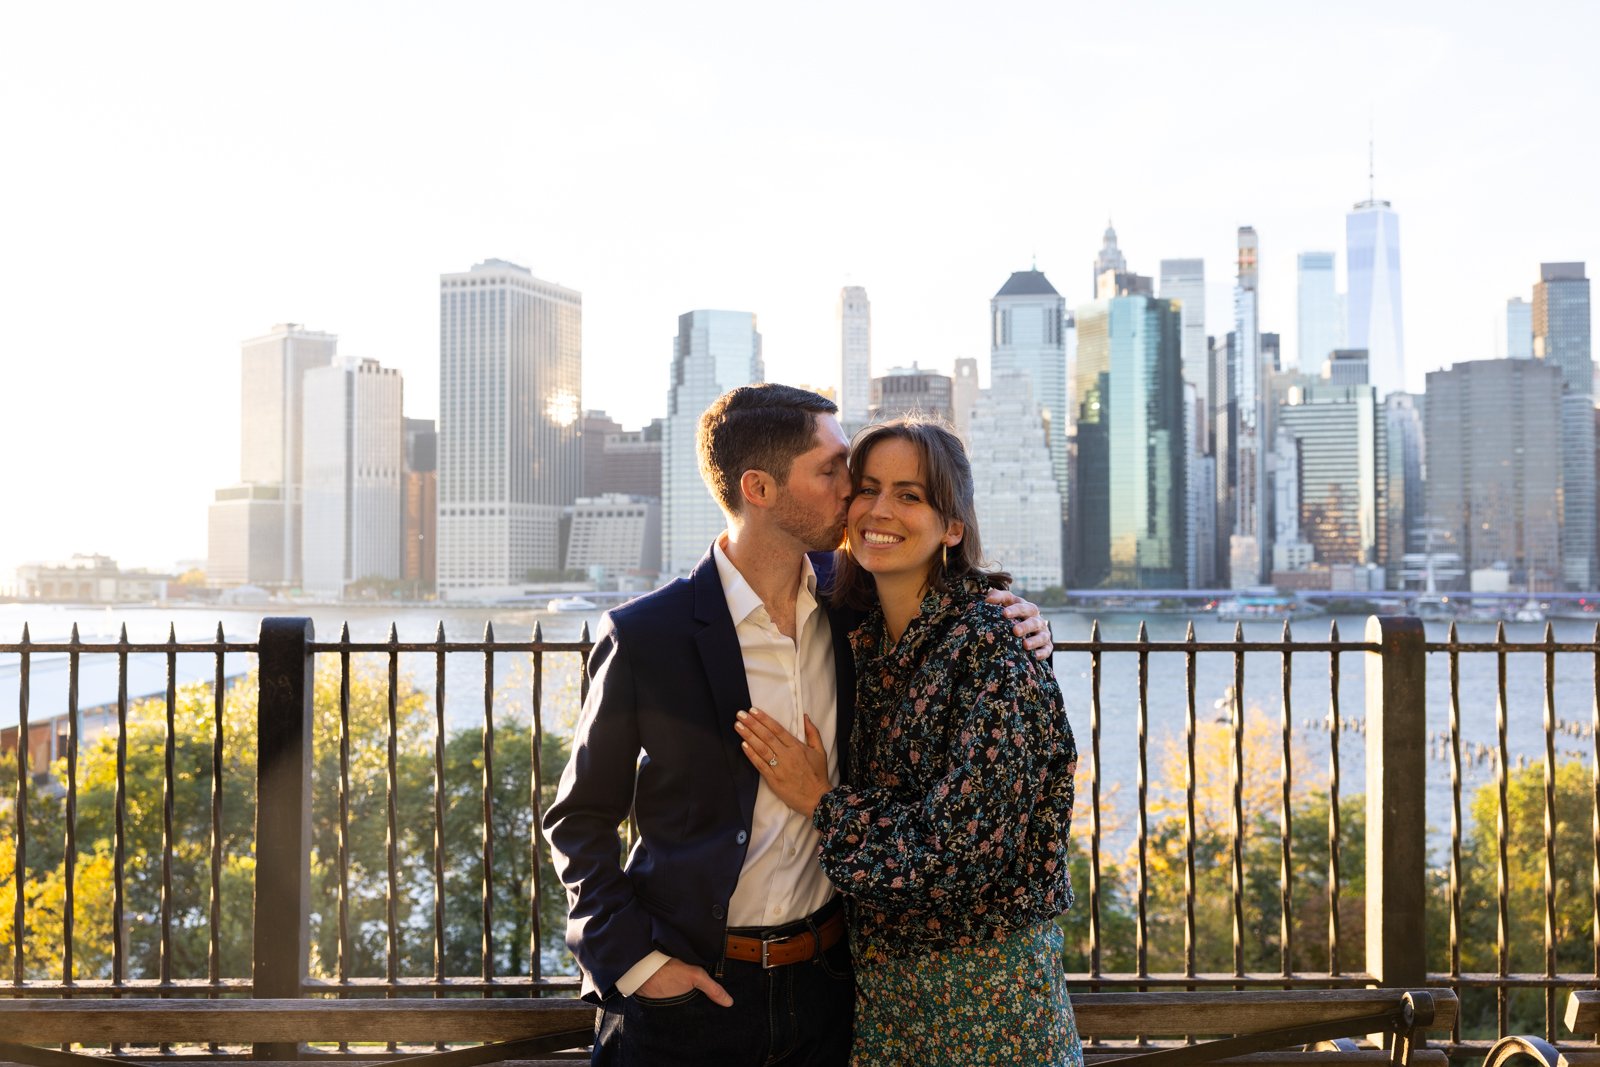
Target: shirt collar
<point>743,600</point>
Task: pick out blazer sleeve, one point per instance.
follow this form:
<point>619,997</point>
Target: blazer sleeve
<point>608,929</point>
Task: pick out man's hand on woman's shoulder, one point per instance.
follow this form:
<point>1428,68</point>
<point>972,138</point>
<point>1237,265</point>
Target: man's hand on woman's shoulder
<point>1027,623</point>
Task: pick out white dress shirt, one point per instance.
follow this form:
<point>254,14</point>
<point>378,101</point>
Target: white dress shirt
<point>781,881</point>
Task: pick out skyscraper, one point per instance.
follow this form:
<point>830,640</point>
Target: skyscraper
<point>1372,261</point>
<point>1519,329</point>
<point>272,377</point>
<point>1184,281</point>
<point>255,526</point>
<point>1223,428</point>
<point>1248,550</point>
<point>1561,337</point>
<point>1321,327</point>
<point>1200,500</point>
<point>1112,276</point>
<point>510,393</point>
<point>855,357</point>
<point>1129,497</point>
<point>1028,324</point>
<point>1492,488</point>
<point>1109,258</point>
<point>1014,488</point>
<point>963,395</point>
<point>1290,554</point>
<point>1404,505</point>
<point>353,508</point>
<point>715,351</point>
<point>1339,435</point>
<point>419,554</point>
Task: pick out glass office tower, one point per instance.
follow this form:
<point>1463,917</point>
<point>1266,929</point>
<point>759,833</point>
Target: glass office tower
<point>1341,508</point>
<point>1519,329</point>
<point>1492,487</point>
<point>1561,337</point>
<point>1028,323</point>
<point>510,392</point>
<point>1321,329</point>
<point>715,351</point>
<point>1372,259</point>
<point>1130,501</point>
<point>854,315</point>
<point>1184,280</point>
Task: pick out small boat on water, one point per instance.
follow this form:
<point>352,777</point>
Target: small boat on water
<point>571,603</point>
<point>1529,612</point>
<point>1265,607</point>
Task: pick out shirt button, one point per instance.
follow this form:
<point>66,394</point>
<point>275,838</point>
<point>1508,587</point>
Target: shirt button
<point>718,911</point>
<point>742,838</point>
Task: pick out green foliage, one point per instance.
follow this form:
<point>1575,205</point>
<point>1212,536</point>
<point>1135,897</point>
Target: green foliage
<point>1572,881</point>
<point>1167,888</point>
<point>365,829</point>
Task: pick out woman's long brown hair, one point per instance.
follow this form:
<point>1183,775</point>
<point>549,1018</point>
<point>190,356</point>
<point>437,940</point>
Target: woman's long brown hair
<point>948,478</point>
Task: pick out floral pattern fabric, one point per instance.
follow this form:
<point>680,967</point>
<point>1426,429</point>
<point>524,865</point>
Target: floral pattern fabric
<point>1001,1001</point>
<point>954,830</point>
<point>950,842</point>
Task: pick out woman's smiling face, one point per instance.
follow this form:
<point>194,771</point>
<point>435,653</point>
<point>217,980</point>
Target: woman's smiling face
<point>893,529</point>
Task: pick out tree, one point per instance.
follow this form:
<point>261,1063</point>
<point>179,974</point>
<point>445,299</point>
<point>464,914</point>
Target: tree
<point>1480,863</point>
<point>366,841</point>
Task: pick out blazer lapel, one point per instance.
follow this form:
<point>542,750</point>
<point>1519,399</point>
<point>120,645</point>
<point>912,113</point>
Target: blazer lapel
<point>840,623</point>
<point>718,644</point>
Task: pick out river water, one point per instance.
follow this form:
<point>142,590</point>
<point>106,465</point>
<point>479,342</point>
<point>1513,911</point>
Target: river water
<point>1309,690</point>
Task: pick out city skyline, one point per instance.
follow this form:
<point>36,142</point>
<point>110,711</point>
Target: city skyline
<point>324,189</point>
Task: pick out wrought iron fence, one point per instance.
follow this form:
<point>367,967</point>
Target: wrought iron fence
<point>1278,868</point>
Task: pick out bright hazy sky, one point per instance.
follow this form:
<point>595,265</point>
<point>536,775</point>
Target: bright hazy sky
<point>179,177</point>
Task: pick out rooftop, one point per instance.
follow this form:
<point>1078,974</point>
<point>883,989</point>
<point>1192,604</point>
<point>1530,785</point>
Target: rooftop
<point>1028,283</point>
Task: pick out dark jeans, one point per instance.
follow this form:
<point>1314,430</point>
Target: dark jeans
<point>796,1016</point>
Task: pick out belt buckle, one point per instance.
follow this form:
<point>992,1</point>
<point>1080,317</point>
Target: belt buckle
<point>766,947</point>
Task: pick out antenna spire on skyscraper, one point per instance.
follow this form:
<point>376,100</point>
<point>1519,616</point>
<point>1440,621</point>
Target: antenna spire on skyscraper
<point>1372,185</point>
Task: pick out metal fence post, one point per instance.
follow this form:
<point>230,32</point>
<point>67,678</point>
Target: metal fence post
<point>1397,701</point>
<point>283,816</point>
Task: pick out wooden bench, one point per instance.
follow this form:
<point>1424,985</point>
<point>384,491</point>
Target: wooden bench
<point>1257,1023</point>
<point>1582,1018</point>
<point>516,1029</point>
<point>1307,1028</point>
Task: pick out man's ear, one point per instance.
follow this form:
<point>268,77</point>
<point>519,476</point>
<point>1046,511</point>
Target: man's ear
<point>758,488</point>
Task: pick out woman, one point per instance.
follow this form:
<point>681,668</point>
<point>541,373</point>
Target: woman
<point>950,839</point>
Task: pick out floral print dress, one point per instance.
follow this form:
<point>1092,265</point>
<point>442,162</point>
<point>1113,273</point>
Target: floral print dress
<point>951,842</point>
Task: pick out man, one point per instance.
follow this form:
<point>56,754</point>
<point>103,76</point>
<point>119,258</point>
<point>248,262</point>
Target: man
<point>720,941</point>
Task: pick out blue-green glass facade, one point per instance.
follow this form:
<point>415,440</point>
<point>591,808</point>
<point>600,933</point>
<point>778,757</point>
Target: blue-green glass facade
<point>1129,495</point>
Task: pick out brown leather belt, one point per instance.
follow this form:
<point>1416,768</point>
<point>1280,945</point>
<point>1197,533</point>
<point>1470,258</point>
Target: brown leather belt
<point>796,948</point>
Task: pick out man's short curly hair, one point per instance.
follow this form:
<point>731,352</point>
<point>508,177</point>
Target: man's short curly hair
<point>756,427</point>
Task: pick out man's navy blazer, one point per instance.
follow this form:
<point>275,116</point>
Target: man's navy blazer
<point>656,739</point>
